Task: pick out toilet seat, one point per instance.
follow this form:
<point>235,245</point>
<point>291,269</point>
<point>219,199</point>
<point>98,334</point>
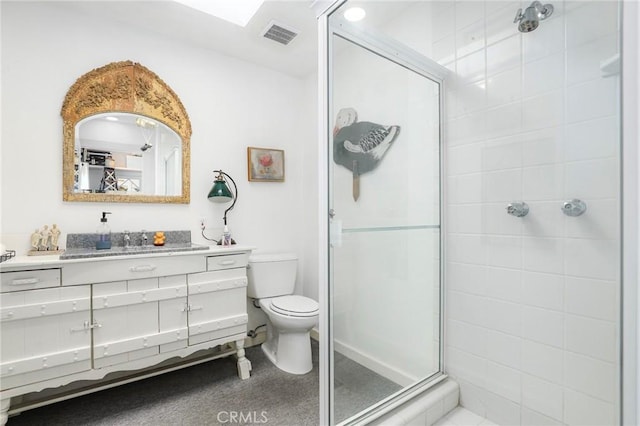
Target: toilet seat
<point>294,306</point>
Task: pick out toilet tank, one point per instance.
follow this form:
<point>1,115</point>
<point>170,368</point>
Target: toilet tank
<point>271,274</point>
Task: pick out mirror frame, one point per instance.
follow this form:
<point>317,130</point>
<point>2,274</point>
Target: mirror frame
<point>129,87</point>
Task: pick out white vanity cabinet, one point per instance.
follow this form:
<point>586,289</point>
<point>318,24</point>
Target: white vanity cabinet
<point>43,330</point>
<point>138,305</point>
<point>138,318</point>
<point>217,299</point>
<point>66,321</point>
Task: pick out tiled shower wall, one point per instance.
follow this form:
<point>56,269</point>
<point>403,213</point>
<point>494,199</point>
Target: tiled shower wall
<point>532,303</point>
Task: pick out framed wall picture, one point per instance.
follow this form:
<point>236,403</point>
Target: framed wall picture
<point>265,164</point>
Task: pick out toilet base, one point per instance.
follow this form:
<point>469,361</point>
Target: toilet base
<point>290,352</point>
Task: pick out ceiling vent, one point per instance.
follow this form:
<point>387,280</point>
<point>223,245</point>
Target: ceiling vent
<point>280,33</point>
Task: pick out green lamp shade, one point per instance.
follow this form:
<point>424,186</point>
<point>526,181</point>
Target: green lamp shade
<point>220,192</point>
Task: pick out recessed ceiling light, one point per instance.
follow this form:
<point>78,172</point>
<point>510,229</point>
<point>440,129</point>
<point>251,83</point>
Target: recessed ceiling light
<point>354,14</point>
<point>238,12</point>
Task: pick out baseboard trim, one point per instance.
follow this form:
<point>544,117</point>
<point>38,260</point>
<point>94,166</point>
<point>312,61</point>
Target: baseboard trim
<point>382,368</point>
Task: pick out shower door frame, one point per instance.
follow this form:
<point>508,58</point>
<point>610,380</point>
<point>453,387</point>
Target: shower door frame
<point>406,58</point>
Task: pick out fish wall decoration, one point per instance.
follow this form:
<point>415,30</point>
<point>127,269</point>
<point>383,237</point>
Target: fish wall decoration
<point>359,146</point>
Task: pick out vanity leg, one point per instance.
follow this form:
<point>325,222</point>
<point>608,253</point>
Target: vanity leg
<point>244,365</point>
<point>4,410</point>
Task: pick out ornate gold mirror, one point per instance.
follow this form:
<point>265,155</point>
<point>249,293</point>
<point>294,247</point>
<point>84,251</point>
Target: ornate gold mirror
<point>126,138</point>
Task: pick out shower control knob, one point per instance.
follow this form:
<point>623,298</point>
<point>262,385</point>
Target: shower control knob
<point>518,209</point>
<point>574,207</point>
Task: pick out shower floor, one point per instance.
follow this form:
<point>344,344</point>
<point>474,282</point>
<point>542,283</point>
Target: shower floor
<point>357,387</point>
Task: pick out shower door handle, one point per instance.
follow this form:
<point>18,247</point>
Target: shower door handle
<point>335,230</point>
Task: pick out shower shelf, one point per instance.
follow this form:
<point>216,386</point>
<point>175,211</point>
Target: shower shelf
<point>390,228</point>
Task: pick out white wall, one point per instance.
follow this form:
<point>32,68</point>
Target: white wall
<point>310,210</point>
<point>532,303</point>
<point>232,104</point>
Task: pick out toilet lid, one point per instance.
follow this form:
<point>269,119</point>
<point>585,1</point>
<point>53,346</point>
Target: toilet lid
<point>295,306</point>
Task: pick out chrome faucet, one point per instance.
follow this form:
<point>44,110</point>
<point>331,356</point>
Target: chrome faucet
<point>127,239</point>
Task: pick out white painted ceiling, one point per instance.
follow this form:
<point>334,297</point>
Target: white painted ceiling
<point>171,19</point>
<point>179,22</point>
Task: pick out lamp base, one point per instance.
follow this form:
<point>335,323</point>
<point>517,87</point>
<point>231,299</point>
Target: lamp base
<point>232,242</point>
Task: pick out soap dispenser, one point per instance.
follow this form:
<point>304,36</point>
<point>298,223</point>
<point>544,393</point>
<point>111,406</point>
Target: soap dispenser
<point>103,240</point>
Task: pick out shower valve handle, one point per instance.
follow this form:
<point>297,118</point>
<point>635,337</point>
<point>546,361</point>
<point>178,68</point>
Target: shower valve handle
<point>518,209</point>
<point>574,207</point>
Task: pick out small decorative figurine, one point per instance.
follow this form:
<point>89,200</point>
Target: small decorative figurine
<point>55,234</point>
<point>35,240</point>
<point>158,238</point>
<point>45,241</point>
<point>44,238</point>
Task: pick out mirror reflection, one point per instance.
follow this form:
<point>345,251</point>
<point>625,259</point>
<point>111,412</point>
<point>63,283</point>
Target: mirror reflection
<point>126,154</point>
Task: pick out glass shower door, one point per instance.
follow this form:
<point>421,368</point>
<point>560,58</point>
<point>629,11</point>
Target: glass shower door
<point>385,268</point>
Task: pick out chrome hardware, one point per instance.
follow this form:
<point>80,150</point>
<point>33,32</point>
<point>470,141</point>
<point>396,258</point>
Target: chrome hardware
<point>144,238</point>
<point>25,281</point>
<point>518,209</point>
<point>126,238</point>
<point>332,213</point>
<point>574,207</point>
<point>87,326</point>
<point>190,308</point>
<point>532,15</point>
<point>142,268</point>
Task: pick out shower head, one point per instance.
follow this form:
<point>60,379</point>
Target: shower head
<point>530,19</point>
<point>145,147</point>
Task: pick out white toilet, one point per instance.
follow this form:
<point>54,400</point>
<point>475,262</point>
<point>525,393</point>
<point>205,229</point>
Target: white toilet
<point>272,279</point>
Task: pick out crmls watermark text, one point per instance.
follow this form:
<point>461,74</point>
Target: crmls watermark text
<point>241,417</point>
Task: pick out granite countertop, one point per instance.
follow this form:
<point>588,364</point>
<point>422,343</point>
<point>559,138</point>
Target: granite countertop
<point>83,253</point>
<point>53,261</point>
<point>81,248</point>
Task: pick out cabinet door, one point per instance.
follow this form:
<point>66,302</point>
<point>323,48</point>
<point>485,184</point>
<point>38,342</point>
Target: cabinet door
<point>217,305</point>
<point>138,318</point>
<point>45,333</point>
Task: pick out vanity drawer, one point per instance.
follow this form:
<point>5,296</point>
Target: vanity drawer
<point>29,280</point>
<point>130,269</point>
<point>227,261</point>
